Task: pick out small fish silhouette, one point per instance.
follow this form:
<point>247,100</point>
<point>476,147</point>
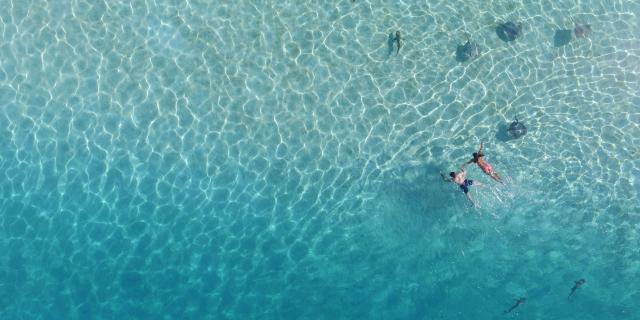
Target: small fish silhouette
<point>518,303</point>
<point>577,285</point>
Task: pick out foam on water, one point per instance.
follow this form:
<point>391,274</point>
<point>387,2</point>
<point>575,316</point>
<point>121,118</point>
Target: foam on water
<point>257,159</point>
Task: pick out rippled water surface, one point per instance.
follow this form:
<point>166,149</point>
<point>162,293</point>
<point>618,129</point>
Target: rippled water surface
<point>278,160</point>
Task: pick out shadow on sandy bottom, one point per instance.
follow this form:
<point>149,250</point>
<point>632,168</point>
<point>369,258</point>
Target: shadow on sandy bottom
<point>414,199</point>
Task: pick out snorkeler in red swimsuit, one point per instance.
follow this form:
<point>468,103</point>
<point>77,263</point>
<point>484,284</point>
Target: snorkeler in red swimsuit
<point>478,157</point>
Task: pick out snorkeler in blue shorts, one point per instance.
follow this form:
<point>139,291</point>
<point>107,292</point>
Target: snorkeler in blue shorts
<point>460,179</point>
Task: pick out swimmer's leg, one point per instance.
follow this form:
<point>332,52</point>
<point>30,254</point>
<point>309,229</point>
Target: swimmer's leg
<point>473,203</point>
<point>496,177</point>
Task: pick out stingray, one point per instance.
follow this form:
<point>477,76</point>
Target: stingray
<point>562,37</point>
<point>468,51</point>
<point>508,31</point>
<point>516,129</point>
<point>582,30</point>
<point>391,42</point>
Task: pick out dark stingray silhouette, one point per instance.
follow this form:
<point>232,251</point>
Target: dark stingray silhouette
<point>516,129</point>
<point>468,51</point>
<point>509,31</point>
<point>562,38</point>
<point>582,30</point>
<point>391,42</point>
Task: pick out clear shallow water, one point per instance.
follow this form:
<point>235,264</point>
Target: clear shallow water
<point>270,160</point>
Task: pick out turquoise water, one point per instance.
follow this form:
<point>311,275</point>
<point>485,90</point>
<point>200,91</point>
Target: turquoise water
<point>270,160</point>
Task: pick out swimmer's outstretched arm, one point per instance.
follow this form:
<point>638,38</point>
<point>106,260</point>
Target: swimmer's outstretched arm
<point>481,147</point>
<point>445,178</point>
